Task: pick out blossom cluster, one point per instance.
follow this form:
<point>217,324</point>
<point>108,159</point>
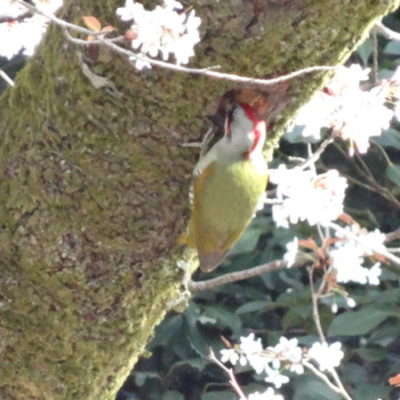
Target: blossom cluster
<point>286,355</point>
<point>350,251</point>
<point>26,34</point>
<point>353,113</point>
<point>306,196</point>
<point>167,30</point>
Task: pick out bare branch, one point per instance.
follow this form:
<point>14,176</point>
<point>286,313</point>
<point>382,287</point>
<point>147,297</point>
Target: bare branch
<point>326,380</point>
<point>321,376</point>
<point>315,311</point>
<point>236,276</point>
<point>338,382</point>
<point>385,31</point>
<point>245,274</point>
<point>374,69</point>
<point>209,72</point>
<point>394,235</point>
<point>315,156</point>
<point>6,78</point>
<point>82,42</point>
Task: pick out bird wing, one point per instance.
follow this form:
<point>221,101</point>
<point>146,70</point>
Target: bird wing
<point>211,247</point>
<point>201,173</point>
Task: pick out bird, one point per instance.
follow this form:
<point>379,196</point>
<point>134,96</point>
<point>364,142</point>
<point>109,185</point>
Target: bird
<point>229,181</point>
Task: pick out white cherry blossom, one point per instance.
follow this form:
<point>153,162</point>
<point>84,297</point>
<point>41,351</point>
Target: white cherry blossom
<point>292,249</point>
<point>230,355</point>
<point>11,9</point>
<point>327,356</point>
<point>288,350</point>
<point>164,31</point>
<point>269,394</point>
<point>276,378</point>
<point>24,35</point>
<point>285,355</point>
<point>305,196</point>
<point>348,255</point>
<point>353,113</point>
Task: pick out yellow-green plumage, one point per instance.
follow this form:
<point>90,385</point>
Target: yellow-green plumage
<point>226,197</point>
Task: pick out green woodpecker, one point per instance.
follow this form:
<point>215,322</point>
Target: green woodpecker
<point>229,182</point>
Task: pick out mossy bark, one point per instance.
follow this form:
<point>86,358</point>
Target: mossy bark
<point>94,183</point>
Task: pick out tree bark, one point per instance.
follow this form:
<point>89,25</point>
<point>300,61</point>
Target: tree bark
<point>94,182</point>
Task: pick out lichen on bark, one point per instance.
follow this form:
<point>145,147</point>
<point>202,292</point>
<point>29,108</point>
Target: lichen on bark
<point>94,183</point>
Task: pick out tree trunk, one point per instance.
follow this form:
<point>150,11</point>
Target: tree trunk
<point>94,182</point>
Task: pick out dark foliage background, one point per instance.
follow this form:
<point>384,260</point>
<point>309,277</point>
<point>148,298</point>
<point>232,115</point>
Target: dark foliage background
<point>278,303</point>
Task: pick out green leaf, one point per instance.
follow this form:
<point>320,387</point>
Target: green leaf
<point>252,306</point>
<point>391,296</point>
<point>220,395</point>
<point>192,314</point>
<point>385,73</point>
<point>372,353</point>
<point>197,363</point>
<point>224,317</point>
<point>197,341</point>
<point>355,373</point>
<point>173,395</point>
<point>387,334</point>
<point>141,377</point>
<point>389,138</point>
<point>309,388</point>
<point>248,241</point>
<point>201,339</point>
<point>371,392</point>
<point>291,320</point>
<point>294,298</point>
<point>393,173</point>
<point>364,51</point>
<point>393,47</point>
<point>354,323</point>
<point>167,331</point>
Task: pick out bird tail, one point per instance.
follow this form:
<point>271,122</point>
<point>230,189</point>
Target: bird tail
<point>210,261</point>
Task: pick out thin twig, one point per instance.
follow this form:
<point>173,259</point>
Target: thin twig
<point>6,78</point>
<point>314,302</point>
<point>232,379</point>
<point>338,382</point>
<point>383,152</point>
<point>385,31</point>
<point>210,73</point>
<point>394,235</point>
<point>374,70</point>
<point>365,167</point>
<point>273,201</point>
<point>298,160</point>
<point>322,376</point>
<point>351,160</point>
<point>170,66</point>
<point>317,154</point>
<point>246,274</point>
<point>339,388</point>
<point>374,186</point>
<point>236,276</point>
<point>362,184</point>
